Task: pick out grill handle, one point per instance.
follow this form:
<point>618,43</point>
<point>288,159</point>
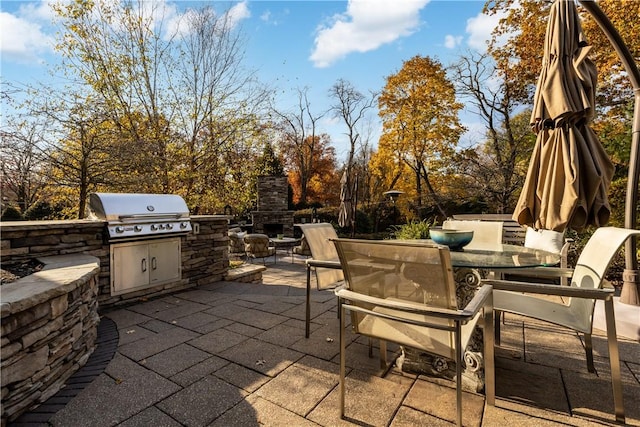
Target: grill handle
<point>143,265</point>
<point>150,217</point>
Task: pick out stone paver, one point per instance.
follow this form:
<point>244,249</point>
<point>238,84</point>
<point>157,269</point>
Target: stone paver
<point>202,402</point>
<point>234,354</point>
<point>123,391</point>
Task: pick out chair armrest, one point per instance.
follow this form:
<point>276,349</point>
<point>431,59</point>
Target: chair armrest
<point>546,272</point>
<point>544,289</point>
<point>323,263</point>
<point>478,300</point>
<point>466,314</point>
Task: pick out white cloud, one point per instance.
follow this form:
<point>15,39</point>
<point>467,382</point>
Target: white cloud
<point>238,12</point>
<point>366,25</point>
<point>451,42</point>
<point>23,40</point>
<point>479,29</point>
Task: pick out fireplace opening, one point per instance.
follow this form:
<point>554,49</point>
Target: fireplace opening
<point>272,230</point>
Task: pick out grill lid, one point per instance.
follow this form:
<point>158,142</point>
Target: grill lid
<point>136,206</point>
<point>138,215</point>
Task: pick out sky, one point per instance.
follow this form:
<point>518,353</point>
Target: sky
<point>294,44</point>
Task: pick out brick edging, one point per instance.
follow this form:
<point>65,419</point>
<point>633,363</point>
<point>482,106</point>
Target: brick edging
<point>106,346</point>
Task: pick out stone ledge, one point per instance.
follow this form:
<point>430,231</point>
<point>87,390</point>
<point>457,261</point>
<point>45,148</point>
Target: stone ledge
<point>246,273</point>
<point>60,275</point>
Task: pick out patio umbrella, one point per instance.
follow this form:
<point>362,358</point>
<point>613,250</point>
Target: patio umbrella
<point>346,211</point>
<point>569,172</point>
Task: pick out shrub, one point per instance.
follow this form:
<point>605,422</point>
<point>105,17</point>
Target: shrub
<point>412,230</point>
<point>11,213</point>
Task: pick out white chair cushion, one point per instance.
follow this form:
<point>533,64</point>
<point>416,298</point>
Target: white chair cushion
<point>546,240</point>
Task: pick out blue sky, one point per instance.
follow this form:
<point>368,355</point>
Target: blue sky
<point>294,44</point>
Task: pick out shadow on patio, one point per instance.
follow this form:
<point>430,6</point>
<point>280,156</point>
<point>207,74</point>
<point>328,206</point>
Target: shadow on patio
<point>235,354</point>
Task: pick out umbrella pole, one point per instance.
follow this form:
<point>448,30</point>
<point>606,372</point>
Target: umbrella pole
<point>631,277</point>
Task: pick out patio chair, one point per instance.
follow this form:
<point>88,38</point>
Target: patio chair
<point>257,246</point>
<point>547,240</point>
<point>484,232</point>
<point>236,242</point>
<point>303,248</point>
<point>324,261</point>
<point>405,293</point>
<point>577,313</point>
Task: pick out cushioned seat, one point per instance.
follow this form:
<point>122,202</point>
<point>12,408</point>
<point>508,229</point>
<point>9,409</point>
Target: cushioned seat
<point>236,242</point>
<point>303,248</point>
<point>257,246</point>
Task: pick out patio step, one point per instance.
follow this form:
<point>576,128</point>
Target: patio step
<point>246,273</point>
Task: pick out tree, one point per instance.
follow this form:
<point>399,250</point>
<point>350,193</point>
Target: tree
<point>178,95</point>
<point>323,180</point>
<point>420,121</point>
<point>21,164</point>
<point>217,99</point>
<point>351,106</point>
<point>86,159</point>
<point>300,142</point>
<point>518,41</point>
<point>494,168</point>
<point>120,53</point>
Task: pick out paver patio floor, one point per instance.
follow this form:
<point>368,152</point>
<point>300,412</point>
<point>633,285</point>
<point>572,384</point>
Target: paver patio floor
<point>234,354</point>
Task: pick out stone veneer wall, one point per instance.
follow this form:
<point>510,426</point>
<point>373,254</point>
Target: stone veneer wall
<point>273,200</point>
<point>273,193</point>
<point>49,328</point>
<point>204,254</point>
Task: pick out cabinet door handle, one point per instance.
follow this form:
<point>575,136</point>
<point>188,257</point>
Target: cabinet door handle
<point>143,265</point>
<point>154,263</point>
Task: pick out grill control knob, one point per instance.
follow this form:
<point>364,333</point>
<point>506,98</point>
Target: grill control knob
<point>119,229</point>
<point>154,227</point>
<point>169,226</point>
<point>184,224</point>
<point>137,228</point>
<point>161,226</point>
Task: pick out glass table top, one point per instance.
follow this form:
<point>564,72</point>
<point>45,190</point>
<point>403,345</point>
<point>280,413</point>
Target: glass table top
<point>500,256</point>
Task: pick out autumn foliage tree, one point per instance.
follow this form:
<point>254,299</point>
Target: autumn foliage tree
<point>517,47</point>
<point>323,181</point>
<point>421,128</point>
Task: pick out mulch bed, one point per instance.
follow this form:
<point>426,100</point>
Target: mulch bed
<point>12,272</point>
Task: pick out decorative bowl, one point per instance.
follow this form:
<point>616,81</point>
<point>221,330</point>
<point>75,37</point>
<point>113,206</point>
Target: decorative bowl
<point>455,239</point>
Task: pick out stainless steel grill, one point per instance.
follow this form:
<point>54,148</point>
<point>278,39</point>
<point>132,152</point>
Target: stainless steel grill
<point>135,216</point>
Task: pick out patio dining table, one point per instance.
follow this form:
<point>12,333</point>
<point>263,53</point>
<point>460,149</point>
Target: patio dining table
<point>470,267</point>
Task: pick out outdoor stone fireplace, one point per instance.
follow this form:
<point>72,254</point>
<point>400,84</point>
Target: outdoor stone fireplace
<point>272,216</point>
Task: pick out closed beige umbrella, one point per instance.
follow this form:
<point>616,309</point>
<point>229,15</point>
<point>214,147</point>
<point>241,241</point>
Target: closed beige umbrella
<point>569,172</point>
<point>346,209</point>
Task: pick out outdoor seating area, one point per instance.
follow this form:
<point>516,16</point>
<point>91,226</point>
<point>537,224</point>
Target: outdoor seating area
<point>234,353</point>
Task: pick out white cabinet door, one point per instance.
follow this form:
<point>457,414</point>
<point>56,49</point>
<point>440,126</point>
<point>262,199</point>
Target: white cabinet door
<point>129,267</point>
<point>165,261</point>
<point>139,265</point>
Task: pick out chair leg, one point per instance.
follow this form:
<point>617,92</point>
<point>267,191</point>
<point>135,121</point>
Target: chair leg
<point>496,325</point>
<point>489,353</point>
<point>458,338</point>
<point>588,348</point>
<point>307,317</point>
<point>614,360</point>
<point>383,354</point>
<point>342,360</point>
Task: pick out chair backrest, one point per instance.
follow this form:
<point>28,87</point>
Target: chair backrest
<point>484,232</point>
<point>592,264</point>
<point>406,271</point>
<point>322,249</point>
<point>236,240</point>
<point>257,245</point>
<point>303,248</point>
